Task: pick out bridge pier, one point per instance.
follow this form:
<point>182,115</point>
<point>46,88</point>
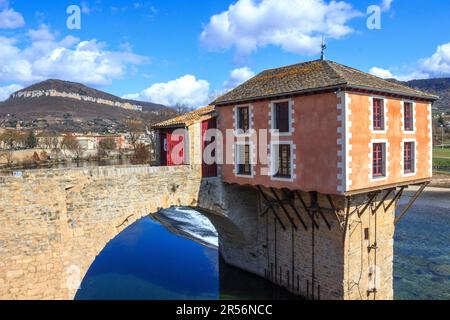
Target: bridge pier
<point>314,245</point>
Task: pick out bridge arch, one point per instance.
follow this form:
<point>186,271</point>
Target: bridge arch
<point>64,219</point>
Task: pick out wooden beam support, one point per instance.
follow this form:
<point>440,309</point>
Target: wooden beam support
<point>333,207</point>
<point>283,208</point>
<point>384,199</point>
<point>397,197</point>
<point>315,205</point>
<point>307,210</point>
<point>411,202</point>
<point>272,209</point>
<point>371,199</point>
<point>348,201</point>
<point>292,205</point>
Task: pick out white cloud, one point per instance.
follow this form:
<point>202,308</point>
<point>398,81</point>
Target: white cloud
<point>437,65</point>
<point>6,91</point>
<point>238,76</point>
<point>9,18</point>
<point>382,73</point>
<point>69,59</point>
<point>386,5</point>
<point>187,90</point>
<point>296,26</point>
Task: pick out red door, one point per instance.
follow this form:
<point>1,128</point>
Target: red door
<point>208,169</point>
<point>175,149</point>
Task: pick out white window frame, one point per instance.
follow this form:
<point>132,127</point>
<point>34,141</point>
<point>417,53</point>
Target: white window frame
<point>415,162</point>
<point>385,160</point>
<point>413,115</point>
<point>237,131</point>
<point>237,156</point>
<point>274,152</point>
<point>385,114</point>
<point>273,118</point>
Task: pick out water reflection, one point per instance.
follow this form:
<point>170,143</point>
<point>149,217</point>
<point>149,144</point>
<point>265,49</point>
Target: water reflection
<point>148,261</point>
<point>422,250</point>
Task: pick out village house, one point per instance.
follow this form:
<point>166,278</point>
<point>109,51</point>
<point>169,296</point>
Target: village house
<point>329,150</point>
<point>186,133</point>
<point>332,129</point>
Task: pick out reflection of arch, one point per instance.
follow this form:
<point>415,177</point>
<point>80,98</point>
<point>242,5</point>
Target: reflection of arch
<point>226,229</point>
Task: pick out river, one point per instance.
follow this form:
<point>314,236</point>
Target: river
<point>174,256</point>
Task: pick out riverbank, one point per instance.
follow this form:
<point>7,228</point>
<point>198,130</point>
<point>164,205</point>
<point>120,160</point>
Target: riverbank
<point>441,180</point>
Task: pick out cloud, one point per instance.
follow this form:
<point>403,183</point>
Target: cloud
<point>6,91</point>
<point>435,66</point>
<point>386,5</point>
<point>238,76</point>
<point>186,90</point>
<point>438,64</point>
<point>382,73</point>
<point>9,18</point>
<point>69,58</point>
<point>296,26</point>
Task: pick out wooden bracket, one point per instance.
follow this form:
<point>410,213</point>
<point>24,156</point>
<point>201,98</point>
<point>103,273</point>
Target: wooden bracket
<point>307,210</point>
<point>411,202</point>
<point>266,198</point>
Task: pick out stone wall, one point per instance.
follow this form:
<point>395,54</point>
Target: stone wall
<point>53,223</point>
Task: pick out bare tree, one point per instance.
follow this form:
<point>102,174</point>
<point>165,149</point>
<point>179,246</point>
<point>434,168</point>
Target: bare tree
<point>135,129</point>
<point>71,143</point>
<point>106,146</point>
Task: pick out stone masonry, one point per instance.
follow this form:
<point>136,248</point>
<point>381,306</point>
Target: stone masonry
<point>53,223</point>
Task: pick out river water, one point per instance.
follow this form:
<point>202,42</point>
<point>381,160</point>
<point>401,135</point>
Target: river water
<point>174,256</point>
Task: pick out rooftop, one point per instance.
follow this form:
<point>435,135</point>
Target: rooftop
<point>187,119</point>
<point>314,76</point>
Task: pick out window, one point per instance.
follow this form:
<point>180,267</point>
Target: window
<point>409,158</point>
<point>379,163</point>
<point>284,161</point>
<point>409,119</point>
<point>243,115</point>
<point>243,160</point>
<point>378,114</point>
<point>281,110</point>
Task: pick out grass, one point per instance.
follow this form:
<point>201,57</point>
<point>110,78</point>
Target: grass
<point>441,153</point>
<point>441,157</point>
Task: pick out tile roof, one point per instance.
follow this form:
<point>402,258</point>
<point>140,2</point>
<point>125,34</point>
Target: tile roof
<point>187,118</point>
<point>313,76</point>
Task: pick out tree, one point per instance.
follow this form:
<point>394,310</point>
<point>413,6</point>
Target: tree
<point>135,129</point>
<point>71,143</point>
<point>8,155</point>
<point>106,146</point>
<point>141,154</point>
<point>11,138</point>
<point>31,141</point>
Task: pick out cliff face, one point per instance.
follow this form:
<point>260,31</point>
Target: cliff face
<point>76,96</point>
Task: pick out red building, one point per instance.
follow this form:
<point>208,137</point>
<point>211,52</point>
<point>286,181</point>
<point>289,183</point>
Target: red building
<point>181,140</point>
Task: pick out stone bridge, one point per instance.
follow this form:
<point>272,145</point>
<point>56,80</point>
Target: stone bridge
<point>53,224</point>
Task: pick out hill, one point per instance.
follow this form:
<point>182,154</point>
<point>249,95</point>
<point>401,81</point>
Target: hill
<point>63,105</point>
<point>437,86</point>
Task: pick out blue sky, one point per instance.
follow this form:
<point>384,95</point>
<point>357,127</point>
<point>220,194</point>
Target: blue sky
<point>185,52</point>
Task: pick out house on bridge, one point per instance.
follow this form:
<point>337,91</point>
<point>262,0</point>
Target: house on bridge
<point>181,140</point>
<point>332,129</point>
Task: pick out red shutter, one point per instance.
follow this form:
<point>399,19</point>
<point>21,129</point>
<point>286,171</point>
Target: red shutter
<point>172,142</point>
<point>208,170</point>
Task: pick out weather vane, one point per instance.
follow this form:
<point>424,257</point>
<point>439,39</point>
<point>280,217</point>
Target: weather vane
<point>323,48</point>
